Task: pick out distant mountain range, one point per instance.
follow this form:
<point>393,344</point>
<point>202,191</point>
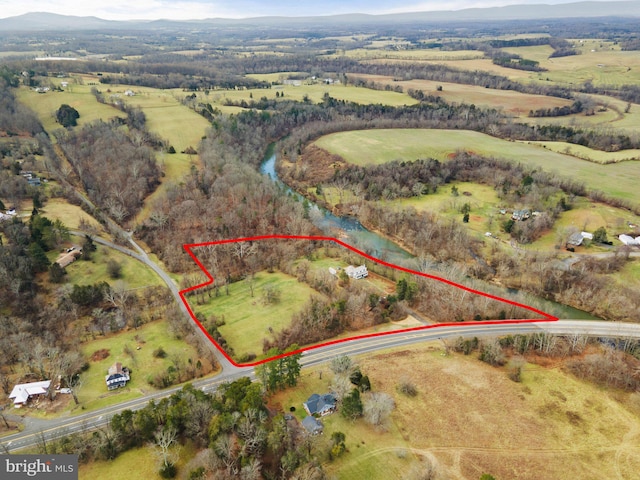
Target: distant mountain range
<point>40,21</point>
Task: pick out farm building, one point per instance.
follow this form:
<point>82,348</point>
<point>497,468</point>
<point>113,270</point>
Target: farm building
<point>357,272</point>
<point>22,393</point>
<point>117,377</point>
<point>320,404</point>
<point>629,240</point>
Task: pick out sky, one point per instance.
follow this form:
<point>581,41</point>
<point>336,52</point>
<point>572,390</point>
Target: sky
<point>198,9</point>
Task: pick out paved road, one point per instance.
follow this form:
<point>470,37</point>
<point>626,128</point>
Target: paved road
<point>99,418</point>
<point>144,258</point>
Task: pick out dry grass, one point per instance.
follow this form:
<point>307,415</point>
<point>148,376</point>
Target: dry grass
<point>556,425</point>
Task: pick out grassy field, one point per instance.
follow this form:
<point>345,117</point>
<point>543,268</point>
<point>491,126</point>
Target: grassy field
<point>483,200</point>
<point>134,273</point>
<point>589,154</point>
<point>314,92</point>
<point>247,318</point>
<point>137,463</point>
<point>70,215</point>
<point>429,54</point>
<point>556,424</point>
<point>379,146</point>
<point>94,394</point>
<point>588,216</point>
<point>77,96</point>
<point>508,100</point>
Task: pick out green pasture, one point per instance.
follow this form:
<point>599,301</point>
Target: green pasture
<point>630,275</point>
<point>507,100</point>
<point>139,462</point>
<point>274,77</point>
<point>483,200</point>
<point>314,93</point>
<point>599,120</point>
<point>248,319</point>
<point>87,272</point>
<point>166,116</point>
<point>420,55</point>
<point>589,154</point>
<point>379,146</point>
<point>94,394</point>
<point>587,216</point>
<point>68,214</point>
<point>77,96</point>
<point>538,53</point>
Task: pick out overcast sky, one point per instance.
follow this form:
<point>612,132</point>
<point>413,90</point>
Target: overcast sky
<point>194,9</point>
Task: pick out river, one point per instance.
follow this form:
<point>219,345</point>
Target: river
<point>351,231</point>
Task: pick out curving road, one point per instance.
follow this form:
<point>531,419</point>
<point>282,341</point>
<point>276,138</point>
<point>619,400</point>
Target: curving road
<point>31,436</point>
<point>142,256</point>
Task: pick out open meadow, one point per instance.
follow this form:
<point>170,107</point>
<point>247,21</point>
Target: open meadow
<point>557,424</point>
<point>379,146</point>
<point>249,318</point>
<point>509,101</point>
<point>87,272</point>
<point>143,462</point>
<point>76,96</point>
<point>314,92</point>
<point>135,349</point>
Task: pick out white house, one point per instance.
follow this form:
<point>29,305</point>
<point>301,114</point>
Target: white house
<point>23,392</point>
<point>357,272</point>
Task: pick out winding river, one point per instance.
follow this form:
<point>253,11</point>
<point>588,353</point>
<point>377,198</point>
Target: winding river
<point>351,231</point>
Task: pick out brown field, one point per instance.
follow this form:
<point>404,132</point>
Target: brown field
<point>512,102</point>
<point>557,427</point>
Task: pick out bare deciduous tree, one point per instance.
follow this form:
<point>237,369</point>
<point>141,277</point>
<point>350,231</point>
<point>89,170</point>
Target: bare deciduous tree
<point>377,408</point>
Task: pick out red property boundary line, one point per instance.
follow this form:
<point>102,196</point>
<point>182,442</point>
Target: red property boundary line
<point>545,317</point>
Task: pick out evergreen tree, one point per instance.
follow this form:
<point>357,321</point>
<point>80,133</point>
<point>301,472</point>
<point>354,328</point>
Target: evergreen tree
<point>67,116</point>
<point>352,405</point>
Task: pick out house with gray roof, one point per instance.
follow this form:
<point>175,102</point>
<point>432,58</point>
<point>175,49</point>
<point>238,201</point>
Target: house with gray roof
<point>320,404</point>
<point>312,425</point>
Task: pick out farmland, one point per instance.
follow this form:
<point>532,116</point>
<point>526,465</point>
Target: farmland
<point>314,93</point>
<point>512,102</point>
<point>617,180</point>
<point>78,97</point>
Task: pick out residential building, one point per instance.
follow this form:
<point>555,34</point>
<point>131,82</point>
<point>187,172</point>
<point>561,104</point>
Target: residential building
<point>357,272</point>
<point>320,404</point>
<point>117,377</point>
<point>22,393</point>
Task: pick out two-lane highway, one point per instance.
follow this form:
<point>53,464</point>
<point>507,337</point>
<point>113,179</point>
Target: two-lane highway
<point>316,356</point>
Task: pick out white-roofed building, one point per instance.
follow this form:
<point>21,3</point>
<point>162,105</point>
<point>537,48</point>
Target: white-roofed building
<point>23,392</point>
<point>629,240</point>
<point>357,272</point>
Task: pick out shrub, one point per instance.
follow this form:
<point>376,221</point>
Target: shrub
<point>408,388</point>
<point>159,353</point>
<point>168,470</point>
